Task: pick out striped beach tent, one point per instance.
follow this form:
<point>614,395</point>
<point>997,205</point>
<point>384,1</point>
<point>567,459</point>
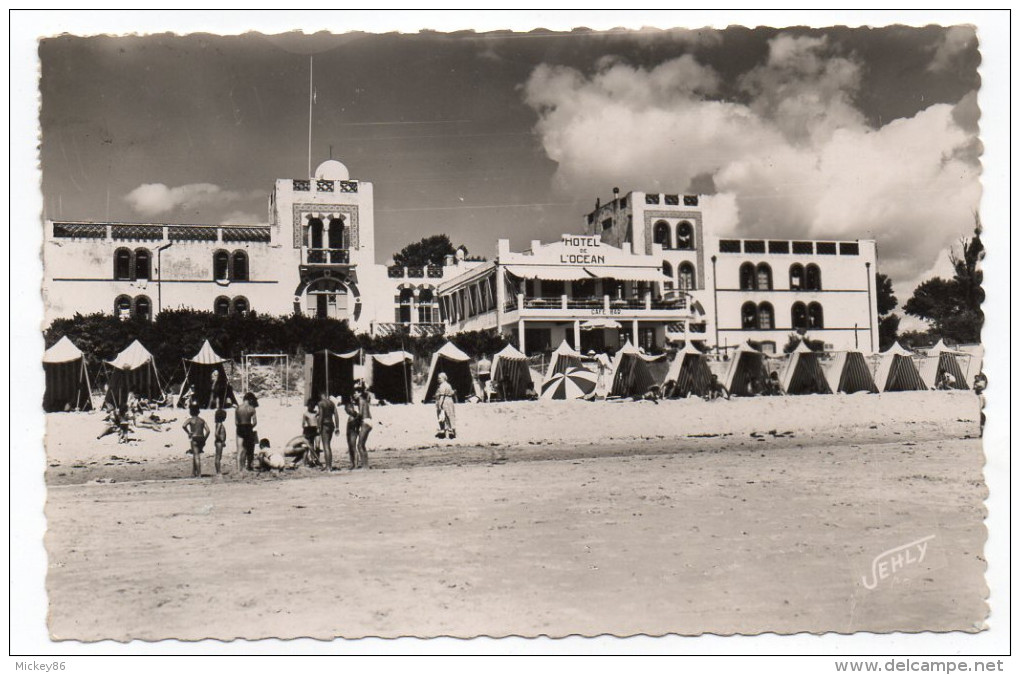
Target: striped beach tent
<point>205,380</point>
<point>389,376</point>
<point>67,378</point>
<point>747,372</point>
<point>804,373</point>
<point>690,373</point>
<point>897,372</point>
<point>456,364</point>
<point>849,373</point>
<point>511,375</point>
<point>941,359</point>
<point>133,370</point>
<point>635,373</point>
<point>564,358</point>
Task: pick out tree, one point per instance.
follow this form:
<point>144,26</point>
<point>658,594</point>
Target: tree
<point>952,307</point>
<point>428,251</point>
<point>888,323</point>
<point>795,339</point>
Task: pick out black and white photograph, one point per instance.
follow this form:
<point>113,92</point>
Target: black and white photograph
<point>662,330</point>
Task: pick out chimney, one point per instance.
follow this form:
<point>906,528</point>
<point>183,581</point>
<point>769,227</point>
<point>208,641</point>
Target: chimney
<point>598,203</point>
<point>449,261</point>
<point>616,193</point>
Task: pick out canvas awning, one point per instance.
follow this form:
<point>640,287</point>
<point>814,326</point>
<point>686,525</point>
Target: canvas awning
<point>600,323</point>
<point>629,273</point>
<point>392,358</point>
<point>62,352</point>
<point>549,272</point>
<point>451,351</point>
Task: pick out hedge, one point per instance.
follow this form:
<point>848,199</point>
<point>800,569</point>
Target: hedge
<point>178,334</point>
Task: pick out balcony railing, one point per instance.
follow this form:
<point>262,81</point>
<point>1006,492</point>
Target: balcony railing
<point>604,302</point>
<point>327,256</point>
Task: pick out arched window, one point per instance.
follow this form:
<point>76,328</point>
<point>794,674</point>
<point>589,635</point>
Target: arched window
<point>766,317</point>
<point>426,307</point>
<point>405,304</point>
<point>221,307</point>
<point>221,266</point>
<point>122,264</point>
<point>661,234</point>
<point>667,270</point>
<point>122,307</point>
<point>747,277</point>
<point>796,277</point>
<point>336,233</point>
<point>684,235</point>
<point>815,318</point>
<point>798,316</point>
<point>240,259</point>
<point>764,273</point>
<point>813,278</point>
<point>315,233</point>
<point>241,305</point>
<point>749,316</point>
<point>327,298</point>
<point>143,307</point>
<point>686,273</point>
<point>143,264</point>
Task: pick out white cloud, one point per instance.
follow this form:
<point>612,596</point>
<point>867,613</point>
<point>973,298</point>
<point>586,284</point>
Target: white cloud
<point>241,218</point>
<point>956,40</point>
<point>794,157</point>
<point>152,199</point>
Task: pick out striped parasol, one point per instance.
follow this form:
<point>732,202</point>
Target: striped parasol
<point>574,383</point>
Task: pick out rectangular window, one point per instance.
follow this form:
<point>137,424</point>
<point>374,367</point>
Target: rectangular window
<point>779,247</point>
<point>607,224</point>
<point>690,200</point>
<point>756,246</point>
<point>729,246</point>
<point>803,247</point>
<point>651,199</point>
<point>826,248</point>
<point>623,203</point>
<point>849,248</point>
<point>672,200</point>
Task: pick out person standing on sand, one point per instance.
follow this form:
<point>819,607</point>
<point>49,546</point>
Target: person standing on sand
<point>484,375</point>
<point>361,399</point>
<point>446,400</point>
<point>220,436</point>
<point>329,424</point>
<point>353,429</point>
<point>310,431</point>
<point>198,432</point>
<point>245,421</point>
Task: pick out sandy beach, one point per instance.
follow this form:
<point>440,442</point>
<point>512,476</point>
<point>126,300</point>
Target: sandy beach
<point>686,517</point>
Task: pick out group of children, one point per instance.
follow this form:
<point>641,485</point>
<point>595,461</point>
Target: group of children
<point>320,422</point>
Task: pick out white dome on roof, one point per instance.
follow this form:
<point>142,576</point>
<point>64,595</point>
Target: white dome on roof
<point>332,170</point>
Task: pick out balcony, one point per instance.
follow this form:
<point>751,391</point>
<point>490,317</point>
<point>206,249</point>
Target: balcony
<point>564,305</point>
<point>417,329</point>
<point>327,256</point>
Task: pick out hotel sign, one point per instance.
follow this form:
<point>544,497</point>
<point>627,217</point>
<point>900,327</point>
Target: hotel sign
<point>581,250</point>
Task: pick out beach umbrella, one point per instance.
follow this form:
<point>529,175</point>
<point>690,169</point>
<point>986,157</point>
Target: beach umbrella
<point>574,383</point>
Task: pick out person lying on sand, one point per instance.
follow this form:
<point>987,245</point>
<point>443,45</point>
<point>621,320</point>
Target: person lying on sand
<point>116,422</point>
<point>717,389</point>
<point>267,460</point>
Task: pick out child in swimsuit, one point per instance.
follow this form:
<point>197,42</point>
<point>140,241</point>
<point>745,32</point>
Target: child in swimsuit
<point>198,432</point>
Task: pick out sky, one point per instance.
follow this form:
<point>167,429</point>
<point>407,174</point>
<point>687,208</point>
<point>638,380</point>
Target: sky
<point>826,133</point>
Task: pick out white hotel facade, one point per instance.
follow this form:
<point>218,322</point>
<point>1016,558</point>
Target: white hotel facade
<point>645,267</point>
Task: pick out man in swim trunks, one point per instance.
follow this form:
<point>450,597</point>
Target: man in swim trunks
<point>245,421</point>
<point>329,422</point>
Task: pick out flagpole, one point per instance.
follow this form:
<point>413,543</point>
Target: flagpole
<point>310,95</point>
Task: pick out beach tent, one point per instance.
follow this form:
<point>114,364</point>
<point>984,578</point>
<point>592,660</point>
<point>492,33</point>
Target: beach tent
<point>564,358</point>
<point>849,373</point>
<point>746,366</point>
<point>457,366</point>
<point>941,359</point>
<point>205,381</point>
<point>691,373</point>
<point>633,374</point>
<point>511,375</point>
<point>330,371</point>
<point>67,378</point>
<point>897,372</point>
<point>390,376</point>
<point>133,370</point>
<point>804,373</point>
